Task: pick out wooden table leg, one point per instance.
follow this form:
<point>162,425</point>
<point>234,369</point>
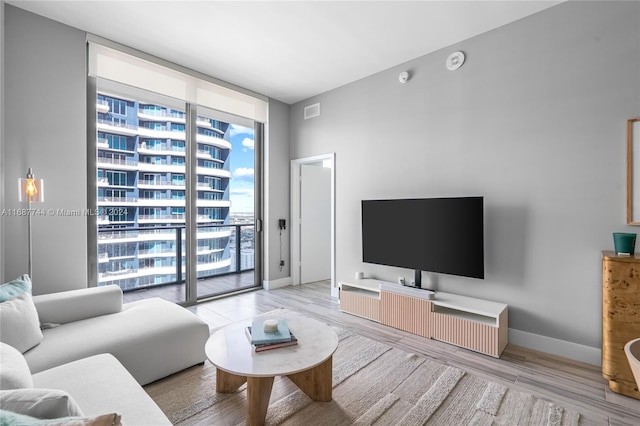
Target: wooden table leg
<point>258,395</point>
<point>316,382</point>
<point>227,382</point>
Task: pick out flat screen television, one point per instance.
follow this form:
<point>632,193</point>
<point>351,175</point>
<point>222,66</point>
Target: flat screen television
<point>442,235</point>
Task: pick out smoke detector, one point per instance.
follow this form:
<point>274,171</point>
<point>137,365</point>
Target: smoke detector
<point>455,61</point>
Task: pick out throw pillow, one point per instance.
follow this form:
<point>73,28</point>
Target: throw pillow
<point>14,372</point>
<point>8,418</point>
<point>40,403</point>
<point>19,322</point>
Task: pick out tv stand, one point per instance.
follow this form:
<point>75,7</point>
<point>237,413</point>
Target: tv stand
<point>475,324</point>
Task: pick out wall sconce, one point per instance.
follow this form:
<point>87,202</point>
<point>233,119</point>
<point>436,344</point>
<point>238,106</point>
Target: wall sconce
<point>30,190</point>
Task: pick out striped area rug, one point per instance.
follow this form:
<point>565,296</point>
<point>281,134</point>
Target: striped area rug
<point>373,384</point>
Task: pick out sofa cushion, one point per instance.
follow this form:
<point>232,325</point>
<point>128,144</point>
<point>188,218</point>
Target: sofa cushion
<point>14,372</point>
<point>152,338</point>
<point>8,418</point>
<point>19,322</point>
<point>40,403</point>
<point>76,305</point>
<point>100,384</point>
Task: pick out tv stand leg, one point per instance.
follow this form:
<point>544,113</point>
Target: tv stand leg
<point>417,278</point>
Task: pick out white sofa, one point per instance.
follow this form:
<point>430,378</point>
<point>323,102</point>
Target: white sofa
<point>100,351</point>
<point>88,388</point>
<point>152,338</point>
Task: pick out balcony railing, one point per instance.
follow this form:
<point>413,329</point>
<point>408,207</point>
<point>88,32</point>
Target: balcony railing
<point>162,147</point>
<point>118,199</point>
<point>161,182</point>
<point>125,252</point>
<point>161,113</point>
<point>123,125</point>
<point>118,161</point>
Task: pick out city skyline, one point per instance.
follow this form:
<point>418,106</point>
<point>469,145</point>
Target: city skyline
<point>242,186</point>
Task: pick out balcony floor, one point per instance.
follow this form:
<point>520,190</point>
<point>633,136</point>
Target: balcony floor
<point>206,287</point>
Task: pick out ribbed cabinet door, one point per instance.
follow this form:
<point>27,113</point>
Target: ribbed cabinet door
<point>472,335</point>
<point>405,313</point>
<point>362,306</point>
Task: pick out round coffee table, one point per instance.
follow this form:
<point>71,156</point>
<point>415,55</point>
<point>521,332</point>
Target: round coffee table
<point>308,364</point>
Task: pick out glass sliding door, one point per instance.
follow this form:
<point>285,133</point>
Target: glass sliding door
<point>225,203</point>
<point>141,167</point>
<point>177,207</point>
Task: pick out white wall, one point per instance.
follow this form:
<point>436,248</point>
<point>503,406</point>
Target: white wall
<point>45,118</point>
<point>535,122</point>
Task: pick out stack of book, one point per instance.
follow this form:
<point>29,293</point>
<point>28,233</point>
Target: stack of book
<point>262,340</point>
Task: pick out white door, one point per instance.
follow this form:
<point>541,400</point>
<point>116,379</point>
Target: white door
<point>315,223</point>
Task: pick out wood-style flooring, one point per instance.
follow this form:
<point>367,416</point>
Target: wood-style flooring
<point>573,384</point>
<point>207,287</point>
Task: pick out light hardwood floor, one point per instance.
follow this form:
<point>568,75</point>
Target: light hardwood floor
<point>575,385</point>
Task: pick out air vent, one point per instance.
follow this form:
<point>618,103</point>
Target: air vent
<point>311,111</point>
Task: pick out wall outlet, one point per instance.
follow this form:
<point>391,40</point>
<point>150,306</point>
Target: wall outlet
<point>282,263</point>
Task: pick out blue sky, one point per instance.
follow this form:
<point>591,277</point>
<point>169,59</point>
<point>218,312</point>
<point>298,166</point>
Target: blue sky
<point>242,169</point>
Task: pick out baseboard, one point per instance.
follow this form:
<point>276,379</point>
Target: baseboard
<point>558,347</point>
<point>273,284</point>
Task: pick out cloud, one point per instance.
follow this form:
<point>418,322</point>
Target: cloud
<point>244,173</point>
<point>241,192</point>
<point>248,143</point>
<point>235,130</point>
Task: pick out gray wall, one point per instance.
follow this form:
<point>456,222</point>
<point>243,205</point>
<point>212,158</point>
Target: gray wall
<point>2,160</point>
<point>276,197</point>
<point>535,122</point>
<point>45,117</point>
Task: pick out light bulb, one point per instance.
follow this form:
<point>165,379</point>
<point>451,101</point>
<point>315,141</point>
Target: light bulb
<point>31,188</point>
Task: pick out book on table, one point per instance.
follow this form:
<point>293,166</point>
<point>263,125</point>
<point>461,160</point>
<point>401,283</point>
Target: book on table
<point>267,346</point>
<point>262,340</point>
<point>260,337</point>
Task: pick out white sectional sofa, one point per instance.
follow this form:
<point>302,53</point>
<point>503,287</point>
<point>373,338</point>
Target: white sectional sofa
<point>100,352</point>
<point>152,338</point>
<point>87,388</point>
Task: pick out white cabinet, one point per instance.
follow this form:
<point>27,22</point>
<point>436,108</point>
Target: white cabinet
<point>476,324</point>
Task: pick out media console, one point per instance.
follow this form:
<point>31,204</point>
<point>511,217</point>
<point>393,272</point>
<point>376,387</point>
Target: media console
<point>475,324</point>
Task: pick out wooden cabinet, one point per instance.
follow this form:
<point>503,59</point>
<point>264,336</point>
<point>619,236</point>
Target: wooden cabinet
<point>620,319</point>
<point>361,298</point>
<point>405,313</point>
<point>475,324</point>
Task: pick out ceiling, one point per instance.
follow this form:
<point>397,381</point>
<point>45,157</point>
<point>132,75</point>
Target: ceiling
<point>286,50</point>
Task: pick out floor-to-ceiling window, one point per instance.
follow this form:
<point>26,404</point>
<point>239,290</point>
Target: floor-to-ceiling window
<point>175,191</point>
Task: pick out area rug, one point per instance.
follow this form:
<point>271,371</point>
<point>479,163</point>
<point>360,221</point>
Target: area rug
<point>373,384</point>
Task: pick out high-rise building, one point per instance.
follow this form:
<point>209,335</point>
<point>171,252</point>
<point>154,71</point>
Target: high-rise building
<point>141,162</point>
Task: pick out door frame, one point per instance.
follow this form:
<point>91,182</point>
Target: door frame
<point>296,167</point>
